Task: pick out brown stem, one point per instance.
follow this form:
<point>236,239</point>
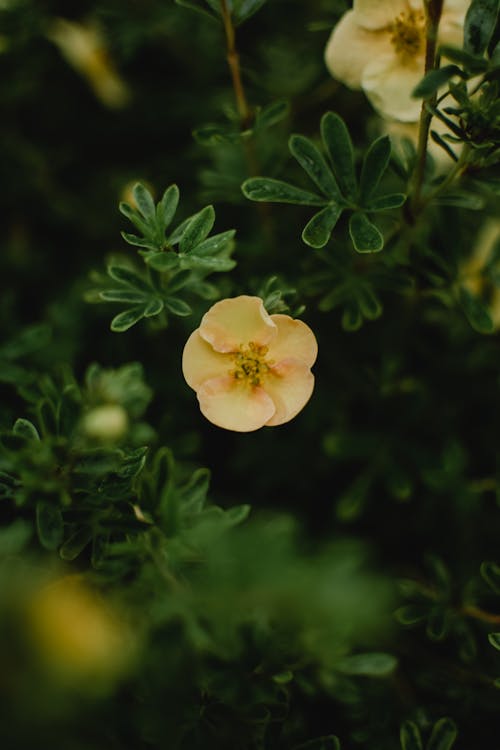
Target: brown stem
<point>480,614</point>
<point>233,60</point>
<point>433,10</point>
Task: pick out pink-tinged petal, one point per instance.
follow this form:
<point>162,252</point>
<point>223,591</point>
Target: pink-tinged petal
<point>200,362</point>
<point>388,83</point>
<point>290,385</point>
<point>235,405</point>
<point>378,14</point>
<point>350,48</point>
<point>236,321</point>
<point>295,339</point>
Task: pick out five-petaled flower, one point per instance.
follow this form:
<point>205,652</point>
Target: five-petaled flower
<point>379,47</point>
<point>249,368</point>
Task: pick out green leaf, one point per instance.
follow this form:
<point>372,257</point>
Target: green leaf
<point>145,202</point>
<point>244,9</point>
<point>494,639</point>
<point>313,163</point>
<point>216,244</point>
<point>49,524</point>
<point>480,23</point>
<point>461,199</point>
<point>433,80</point>
<point>162,262</point>
<point>317,232</point>
<point>198,7</point>
<point>237,514</point>
<point>386,202</point>
<point>154,307</point>
<point>197,229</point>
<point>128,277</point>
<point>490,571</point>
<point>365,236</point>
<point>271,114</point>
<point>352,320</point>
<point>133,239</point>
<point>125,320</point>
<point>437,138</point>
<point>122,295</point>
<point>338,144</point>
<point>374,165</point>
<point>438,623</point>
<point>166,208</point>
<point>410,737</point>
<point>369,303</point>
<point>411,614</point>
<point>75,544</point>
<point>468,61</point>
<point>177,306</point>
<point>26,429</point>
<point>207,264</point>
<point>179,281</point>
<point>370,664</point>
<point>443,735</point>
<point>136,219</point>
<point>476,313</point>
<point>266,189</point>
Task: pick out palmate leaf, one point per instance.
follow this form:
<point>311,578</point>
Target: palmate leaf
<point>269,190</point>
<point>338,144</point>
<point>197,229</point>
<point>126,319</point>
<point>365,236</point>
<point>313,163</point>
<point>319,229</point>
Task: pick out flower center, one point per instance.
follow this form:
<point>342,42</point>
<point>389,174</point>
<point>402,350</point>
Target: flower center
<point>251,363</point>
<point>408,33</point>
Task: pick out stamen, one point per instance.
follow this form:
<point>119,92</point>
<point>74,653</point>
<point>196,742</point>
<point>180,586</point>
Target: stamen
<point>251,363</point>
<point>408,34</point>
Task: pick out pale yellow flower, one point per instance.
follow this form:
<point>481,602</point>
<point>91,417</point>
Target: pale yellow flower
<point>249,368</point>
<point>379,47</point>
<point>106,422</point>
<point>84,48</point>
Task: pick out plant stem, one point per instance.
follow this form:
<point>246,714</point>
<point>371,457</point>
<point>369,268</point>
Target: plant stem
<point>433,10</point>
<point>233,60</point>
<point>481,614</point>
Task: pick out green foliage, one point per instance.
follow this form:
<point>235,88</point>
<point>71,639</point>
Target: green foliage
<point>337,181</point>
<point>169,269</point>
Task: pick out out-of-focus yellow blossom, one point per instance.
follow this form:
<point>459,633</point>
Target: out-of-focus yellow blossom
<point>77,637</point>
<point>249,368</point>
<point>84,48</point>
<point>106,422</point>
<point>477,270</point>
<point>379,47</point>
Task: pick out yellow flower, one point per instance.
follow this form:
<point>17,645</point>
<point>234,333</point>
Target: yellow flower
<point>379,47</point>
<point>106,422</point>
<point>249,368</point>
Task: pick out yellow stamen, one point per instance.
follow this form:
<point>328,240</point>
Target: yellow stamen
<point>408,34</point>
<point>251,363</point>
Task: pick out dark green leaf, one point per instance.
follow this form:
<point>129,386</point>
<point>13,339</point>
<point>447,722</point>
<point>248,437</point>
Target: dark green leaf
<point>476,313</point>
<point>410,736</point>
<point>365,236</point>
<point>177,306</point>
<point>437,138</point>
<point>374,165</point>
<point>178,281</point>
<point>122,295</point>
<point>128,277</point>
<point>438,623</point>
<point>369,303</point>
<point>338,144</point>
<point>162,262</point>
<point>266,189</point>
<point>463,58</point>
<point>26,429</point>
<point>386,202</point>
<point>75,544</point>
<point>145,202</point>
<point>494,639</point>
<point>461,199</point>
<point>271,114</point>
<point>154,307</point>
<point>208,264</point>
<point>313,163</point>
<point>167,207</point>
<point>216,244</point>
<point>49,524</point>
<point>480,22</point>
<point>198,7</point>
<point>317,232</point>
<point>443,735</point>
<point>125,320</point>
<point>136,219</point>
<point>370,664</point>
<point>133,239</point>
<point>411,614</point>
<point>213,134</point>
<point>433,80</point>
<point>29,340</point>
<point>352,320</point>
<point>244,9</point>
<point>197,229</point>
<point>490,571</point>
<point>14,538</point>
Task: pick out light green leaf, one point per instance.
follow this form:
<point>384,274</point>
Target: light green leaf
<point>410,736</point>
<point>128,277</point>
<point>385,202</point>
<point>313,163</point>
<point>266,189</point>
<point>443,735</point>
<point>177,306</point>
<point>370,664</point>
<point>154,307</point>
<point>338,144</point>
<point>133,239</point>
<point>317,232</point>
<point>162,262</point>
<point>26,429</point>
<point>145,202</point>
<point>365,236</point>
<point>167,207</point>
<point>216,244</point>
<point>207,264</point>
<point>122,295</point>
<point>494,639</point>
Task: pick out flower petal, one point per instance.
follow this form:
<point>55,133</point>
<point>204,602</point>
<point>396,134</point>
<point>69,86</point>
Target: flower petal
<point>350,48</point>
<point>451,27</point>
<point>388,83</point>
<point>378,14</point>
<point>200,362</point>
<point>233,405</point>
<point>295,339</point>
<point>237,321</point>
<point>290,385</point>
